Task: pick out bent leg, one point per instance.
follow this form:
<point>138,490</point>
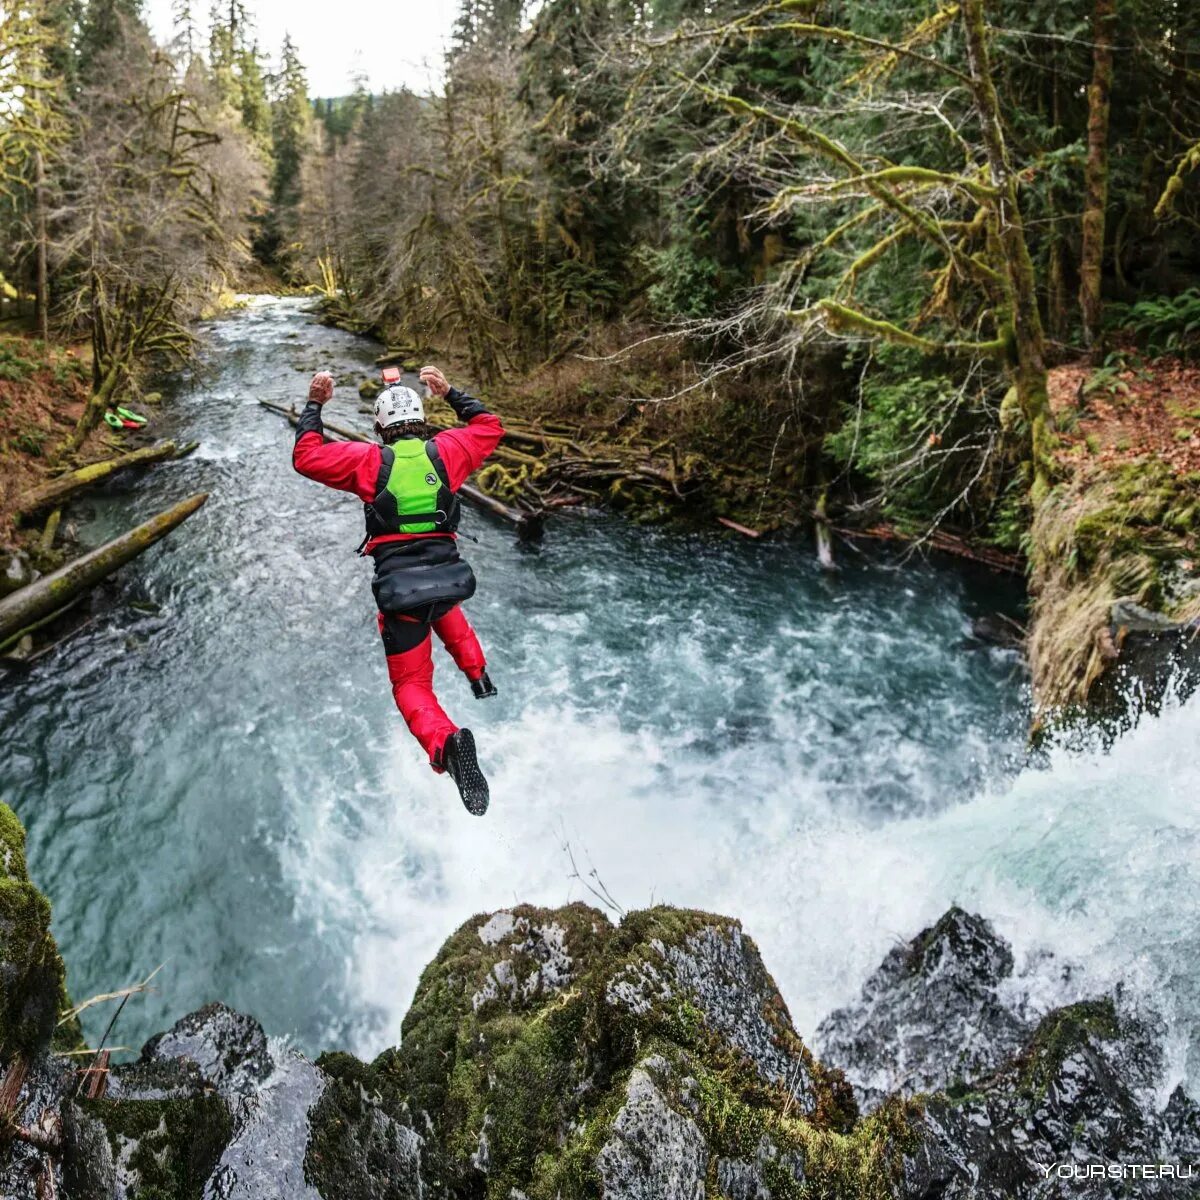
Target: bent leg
<point>410,670</point>
<point>459,638</point>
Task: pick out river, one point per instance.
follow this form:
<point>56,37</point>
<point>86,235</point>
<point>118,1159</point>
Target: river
<point>216,779</point>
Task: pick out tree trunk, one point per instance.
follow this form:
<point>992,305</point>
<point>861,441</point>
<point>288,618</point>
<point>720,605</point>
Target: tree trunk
<point>43,268</point>
<point>52,494</point>
<point>1095,173</point>
<point>101,399</point>
<point>52,592</point>
<point>1029,340</point>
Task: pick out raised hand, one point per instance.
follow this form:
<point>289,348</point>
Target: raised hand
<point>321,388</point>
<point>434,380</point>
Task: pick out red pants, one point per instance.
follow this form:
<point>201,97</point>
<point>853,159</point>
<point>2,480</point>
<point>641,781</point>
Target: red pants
<point>409,649</point>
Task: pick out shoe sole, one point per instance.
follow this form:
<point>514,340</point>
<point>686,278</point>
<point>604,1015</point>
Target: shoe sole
<point>472,786</point>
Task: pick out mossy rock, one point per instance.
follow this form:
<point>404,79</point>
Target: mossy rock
<point>361,1145</point>
<point>1060,1034</point>
<point>368,389</point>
<point>527,1029</point>
<point>163,1149</point>
<point>32,976</point>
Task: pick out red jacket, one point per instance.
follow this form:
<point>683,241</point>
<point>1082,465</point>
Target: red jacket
<point>354,466</point>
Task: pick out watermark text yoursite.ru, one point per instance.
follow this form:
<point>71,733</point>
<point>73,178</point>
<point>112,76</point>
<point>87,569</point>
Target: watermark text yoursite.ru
<point>1097,1170</point>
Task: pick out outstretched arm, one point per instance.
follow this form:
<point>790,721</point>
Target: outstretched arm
<point>465,449</point>
<point>346,466</point>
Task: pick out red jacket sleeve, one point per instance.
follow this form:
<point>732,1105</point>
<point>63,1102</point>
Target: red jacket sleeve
<point>465,448</point>
<point>346,466</point>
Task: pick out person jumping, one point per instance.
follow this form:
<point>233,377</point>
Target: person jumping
<point>408,487</point>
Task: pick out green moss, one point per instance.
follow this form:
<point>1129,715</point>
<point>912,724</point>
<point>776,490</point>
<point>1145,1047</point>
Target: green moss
<point>568,1172</point>
<point>534,1078</point>
<point>344,1138</point>
<point>178,1142</point>
<point>1111,533</point>
<point>33,985</point>
<point>1059,1035</point>
<point>12,845</point>
<point>513,1061</point>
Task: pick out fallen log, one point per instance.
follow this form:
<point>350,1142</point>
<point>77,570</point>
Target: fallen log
<point>54,591</point>
<point>945,543</point>
<point>348,435</point>
<point>52,494</point>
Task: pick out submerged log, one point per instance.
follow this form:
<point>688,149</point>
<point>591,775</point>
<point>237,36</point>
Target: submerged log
<point>52,494</point>
<point>945,543</point>
<point>53,592</point>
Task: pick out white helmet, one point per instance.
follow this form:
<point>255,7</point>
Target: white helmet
<point>398,405</point>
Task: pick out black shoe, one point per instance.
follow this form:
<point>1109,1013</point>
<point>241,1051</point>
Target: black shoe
<point>483,687</point>
<point>459,761</point>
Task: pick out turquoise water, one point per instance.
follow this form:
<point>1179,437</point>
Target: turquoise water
<point>224,785</point>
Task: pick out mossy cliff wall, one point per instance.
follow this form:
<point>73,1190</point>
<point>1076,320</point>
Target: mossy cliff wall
<point>33,991</point>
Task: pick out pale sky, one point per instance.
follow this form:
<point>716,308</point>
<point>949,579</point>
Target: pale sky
<point>395,42</point>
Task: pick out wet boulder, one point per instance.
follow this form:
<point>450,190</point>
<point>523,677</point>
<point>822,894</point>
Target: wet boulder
<point>1076,1103</point>
<point>931,1015</point>
<point>1010,1105</point>
<point>208,1109</point>
<point>227,1048</point>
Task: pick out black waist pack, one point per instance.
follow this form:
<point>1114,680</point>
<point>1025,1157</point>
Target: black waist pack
<point>429,572</point>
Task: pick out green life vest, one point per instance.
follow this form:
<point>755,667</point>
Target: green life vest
<point>412,492</point>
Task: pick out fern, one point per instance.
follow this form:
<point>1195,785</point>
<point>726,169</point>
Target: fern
<point>1167,324</point>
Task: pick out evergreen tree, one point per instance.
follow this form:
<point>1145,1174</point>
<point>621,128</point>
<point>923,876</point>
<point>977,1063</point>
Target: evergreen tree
<point>104,25</point>
<point>256,106</point>
<point>290,137</point>
<point>186,41</point>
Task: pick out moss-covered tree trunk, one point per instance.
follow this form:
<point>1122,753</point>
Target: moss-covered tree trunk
<point>41,239</point>
<point>1095,174</point>
<point>52,592</point>
<point>52,494</point>
<point>101,399</point>
<point>1028,338</point>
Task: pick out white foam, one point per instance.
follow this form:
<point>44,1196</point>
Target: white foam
<point>1092,858</point>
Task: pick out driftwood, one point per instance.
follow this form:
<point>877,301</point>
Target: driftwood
<point>25,663</point>
<point>946,543</point>
<point>50,531</point>
<point>52,494</point>
<point>343,434</point>
<point>744,530</point>
<point>53,592</point>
